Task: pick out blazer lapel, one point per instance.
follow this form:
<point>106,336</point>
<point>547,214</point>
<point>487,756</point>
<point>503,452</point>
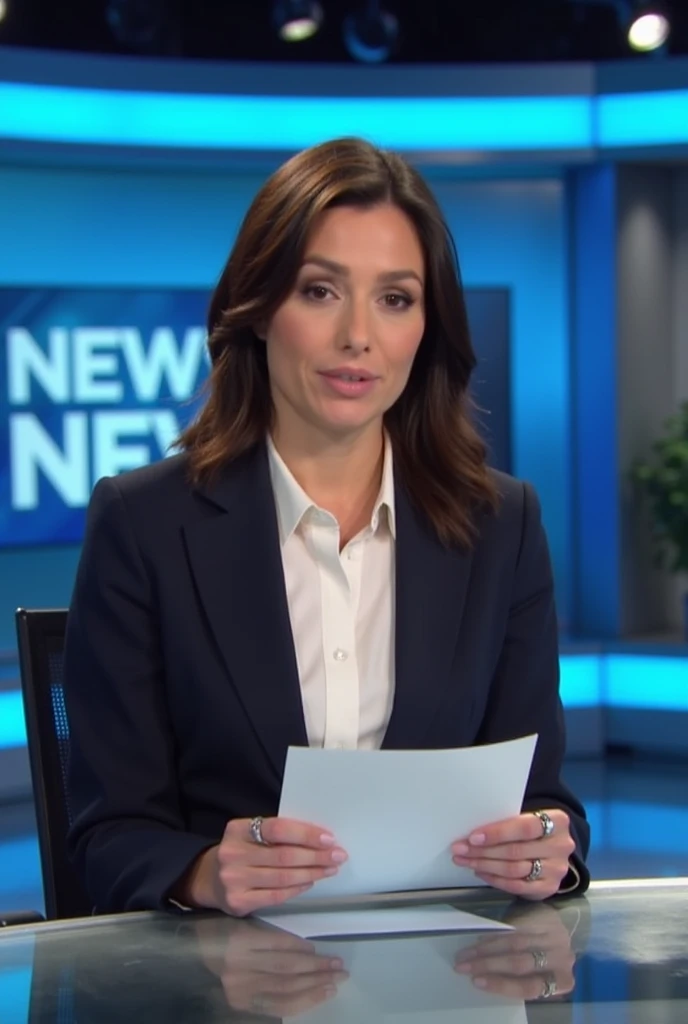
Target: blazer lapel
<point>431,586</point>
<point>236,562</point>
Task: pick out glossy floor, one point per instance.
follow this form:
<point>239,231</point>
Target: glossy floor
<point>638,811</point>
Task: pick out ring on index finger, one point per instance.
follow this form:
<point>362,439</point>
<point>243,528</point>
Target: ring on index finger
<point>546,822</point>
<point>256,830</point>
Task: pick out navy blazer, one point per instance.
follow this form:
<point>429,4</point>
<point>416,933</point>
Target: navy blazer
<point>181,681</point>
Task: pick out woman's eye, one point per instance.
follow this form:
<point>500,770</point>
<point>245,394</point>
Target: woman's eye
<point>316,291</point>
<point>397,301</point>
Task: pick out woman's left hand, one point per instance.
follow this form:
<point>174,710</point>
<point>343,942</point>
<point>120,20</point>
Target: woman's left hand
<point>505,853</point>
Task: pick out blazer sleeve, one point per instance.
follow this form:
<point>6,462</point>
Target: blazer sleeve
<point>128,841</point>
<point>524,695</point>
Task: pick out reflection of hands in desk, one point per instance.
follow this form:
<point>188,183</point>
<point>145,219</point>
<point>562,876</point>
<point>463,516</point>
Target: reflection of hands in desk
<point>535,961</point>
<point>266,971</point>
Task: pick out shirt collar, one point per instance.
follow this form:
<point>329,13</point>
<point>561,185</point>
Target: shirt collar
<point>293,503</point>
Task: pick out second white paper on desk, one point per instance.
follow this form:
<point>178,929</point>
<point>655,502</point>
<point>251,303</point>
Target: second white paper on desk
<point>397,812</point>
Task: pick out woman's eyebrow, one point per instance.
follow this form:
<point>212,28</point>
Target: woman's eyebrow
<point>342,271</point>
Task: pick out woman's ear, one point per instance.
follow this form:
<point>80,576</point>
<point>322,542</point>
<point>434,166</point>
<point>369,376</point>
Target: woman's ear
<point>261,331</point>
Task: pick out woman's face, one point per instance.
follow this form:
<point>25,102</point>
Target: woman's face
<point>341,346</point>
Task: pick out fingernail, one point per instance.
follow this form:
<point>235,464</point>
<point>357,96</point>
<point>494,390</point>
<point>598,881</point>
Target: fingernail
<point>463,968</point>
<point>339,856</point>
<point>328,872</point>
<point>336,964</point>
<point>461,849</point>
<point>480,982</point>
<point>326,839</point>
<point>477,839</point>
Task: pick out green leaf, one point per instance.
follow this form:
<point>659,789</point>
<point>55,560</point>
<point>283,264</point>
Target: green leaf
<point>662,480</point>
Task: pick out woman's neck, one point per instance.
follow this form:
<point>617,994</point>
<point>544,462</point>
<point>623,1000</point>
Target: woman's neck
<point>342,476</point>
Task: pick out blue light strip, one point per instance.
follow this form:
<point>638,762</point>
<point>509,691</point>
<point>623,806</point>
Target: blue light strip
<point>643,119</point>
<point>587,680</point>
<point>49,113</point>
<point>12,725</point>
<point>644,681</point>
<point>187,121</point>
<point>581,680</point>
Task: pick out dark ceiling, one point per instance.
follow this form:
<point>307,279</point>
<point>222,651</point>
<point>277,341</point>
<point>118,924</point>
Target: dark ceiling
<point>440,31</point>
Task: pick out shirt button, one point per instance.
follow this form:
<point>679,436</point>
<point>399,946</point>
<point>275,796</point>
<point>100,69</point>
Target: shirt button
<point>340,655</point>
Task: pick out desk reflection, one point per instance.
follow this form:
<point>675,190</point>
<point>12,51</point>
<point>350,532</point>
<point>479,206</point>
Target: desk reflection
<point>267,971</point>
<point>486,977</point>
<point>212,968</point>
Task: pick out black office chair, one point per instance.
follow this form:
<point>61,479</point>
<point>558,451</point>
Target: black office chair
<point>40,635</point>
<point>11,917</point>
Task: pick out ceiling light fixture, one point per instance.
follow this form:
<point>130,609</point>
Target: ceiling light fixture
<point>648,28</point>
<point>371,34</point>
<point>645,26</point>
<point>296,20</point>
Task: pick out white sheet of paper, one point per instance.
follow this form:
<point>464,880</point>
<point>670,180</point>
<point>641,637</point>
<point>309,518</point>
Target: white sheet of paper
<point>436,918</point>
<point>397,812</point>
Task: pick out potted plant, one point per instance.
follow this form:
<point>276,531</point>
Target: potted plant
<point>663,480</point>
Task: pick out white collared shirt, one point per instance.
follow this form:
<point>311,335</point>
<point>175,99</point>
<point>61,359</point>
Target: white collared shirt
<point>342,610</point>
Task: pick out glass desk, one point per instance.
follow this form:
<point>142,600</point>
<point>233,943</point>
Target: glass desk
<point>619,955</point>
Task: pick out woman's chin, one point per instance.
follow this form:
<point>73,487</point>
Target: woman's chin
<point>346,425</point>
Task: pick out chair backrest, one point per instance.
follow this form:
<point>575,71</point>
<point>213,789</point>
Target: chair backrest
<point>41,635</point>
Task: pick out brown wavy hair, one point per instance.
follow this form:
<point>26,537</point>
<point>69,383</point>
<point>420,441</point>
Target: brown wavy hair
<point>439,458</point>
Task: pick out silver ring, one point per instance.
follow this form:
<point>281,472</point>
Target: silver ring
<point>535,871</point>
<point>546,822</point>
<point>539,959</point>
<point>256,828</point>
<point>549,988</point>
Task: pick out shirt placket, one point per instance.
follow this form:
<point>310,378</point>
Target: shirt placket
<point>338,614</point>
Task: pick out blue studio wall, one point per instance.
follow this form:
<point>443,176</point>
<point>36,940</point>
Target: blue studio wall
<point>136,173</point>
<point>80,226</point>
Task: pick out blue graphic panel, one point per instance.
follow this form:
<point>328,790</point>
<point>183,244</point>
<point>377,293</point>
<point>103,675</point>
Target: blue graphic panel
<point>91,383</point>
<point>94,382</point>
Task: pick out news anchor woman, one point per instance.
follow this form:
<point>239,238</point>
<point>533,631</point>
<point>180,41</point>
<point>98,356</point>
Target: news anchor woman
<point>327,561</point>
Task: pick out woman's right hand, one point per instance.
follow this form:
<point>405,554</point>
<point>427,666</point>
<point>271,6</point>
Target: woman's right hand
<point>240,876</point>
